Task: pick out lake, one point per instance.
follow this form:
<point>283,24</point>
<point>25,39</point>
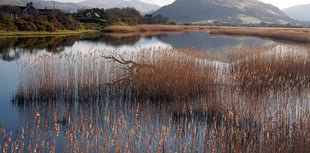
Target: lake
<point>177,92</point>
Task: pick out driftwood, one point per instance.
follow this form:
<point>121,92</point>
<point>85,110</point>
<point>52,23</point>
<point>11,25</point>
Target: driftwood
<point>134,70</point>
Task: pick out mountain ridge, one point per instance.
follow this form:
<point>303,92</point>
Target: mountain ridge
<point>106,4</point>
<point>231,11</point>
<point>298,12</point>
<point>74,7</point>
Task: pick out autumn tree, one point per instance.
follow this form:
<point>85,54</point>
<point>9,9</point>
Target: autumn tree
<point>128,16</point>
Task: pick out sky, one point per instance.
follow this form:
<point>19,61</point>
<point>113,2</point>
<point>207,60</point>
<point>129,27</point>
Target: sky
<point>279,3</point>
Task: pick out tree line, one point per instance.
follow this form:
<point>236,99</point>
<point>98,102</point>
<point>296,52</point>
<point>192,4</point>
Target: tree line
<point>12,20</point>
<point>118,16</point>
<point>88,18</point>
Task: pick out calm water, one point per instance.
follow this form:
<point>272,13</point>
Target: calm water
<point>76,99</point>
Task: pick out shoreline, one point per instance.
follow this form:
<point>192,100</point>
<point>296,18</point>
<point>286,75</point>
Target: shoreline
<point>298,35</point>
<point>43,33</point>
<point>155,28</point>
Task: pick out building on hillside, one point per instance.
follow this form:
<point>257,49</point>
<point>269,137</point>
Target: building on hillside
<point>46,11</point>
<point>148,19</point>
<point>29,9</point>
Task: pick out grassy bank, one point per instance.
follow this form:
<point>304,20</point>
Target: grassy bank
<point>43,33</point>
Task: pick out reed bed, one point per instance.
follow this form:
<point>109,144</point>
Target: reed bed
<point>163,100</point>
<point>155,28</point>
<point>163,74</point>
<point>300,35</point>
<point>279,68</point>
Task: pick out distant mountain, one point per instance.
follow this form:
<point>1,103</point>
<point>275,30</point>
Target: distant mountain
<point>11,2</point>
<point>299,12</point>
<point>224,11</point>
<point>66,7</point>
<point>140,6</point>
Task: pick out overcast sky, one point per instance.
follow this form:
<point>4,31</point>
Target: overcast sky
<point>278,3</point>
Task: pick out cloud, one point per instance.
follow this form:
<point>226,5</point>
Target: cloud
<point>158,2</point>
<point>278,3</point>
<point>284,4</point>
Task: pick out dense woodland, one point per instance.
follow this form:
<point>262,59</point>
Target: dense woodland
<point>12,19</point>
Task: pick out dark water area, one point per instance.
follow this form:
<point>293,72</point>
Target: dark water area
<point>12,48</point>
<point>104,93</point>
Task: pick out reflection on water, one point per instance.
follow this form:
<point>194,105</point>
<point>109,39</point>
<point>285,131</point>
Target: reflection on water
<point>204,41</point>
<point>115,41</point>
<point>118,101</point>
<point>11,48</point>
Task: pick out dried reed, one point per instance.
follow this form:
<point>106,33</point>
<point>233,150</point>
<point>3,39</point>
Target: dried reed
<point>164,100</point>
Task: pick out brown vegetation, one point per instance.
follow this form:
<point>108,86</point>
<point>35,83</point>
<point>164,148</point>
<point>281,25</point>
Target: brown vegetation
<point>118,16</point>
<point>166,76</point>
<point>50,22</point>
<point>301,35</point>
<point>165,100</point>
<point>261,68</point>
<point>154,28</point>
<point>145,77</point>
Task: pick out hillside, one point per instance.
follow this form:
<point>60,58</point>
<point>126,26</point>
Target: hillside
<point>140,6</point>
<point>299,12</point>
<point>11,2</point>
<point>223,11</point>
<point>66,7</point>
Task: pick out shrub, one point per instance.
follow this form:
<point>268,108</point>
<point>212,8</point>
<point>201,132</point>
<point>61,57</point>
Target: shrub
<point>29,26</point>
<point>41,27</point>
<point>51,28</point>
<point>7,22</point>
